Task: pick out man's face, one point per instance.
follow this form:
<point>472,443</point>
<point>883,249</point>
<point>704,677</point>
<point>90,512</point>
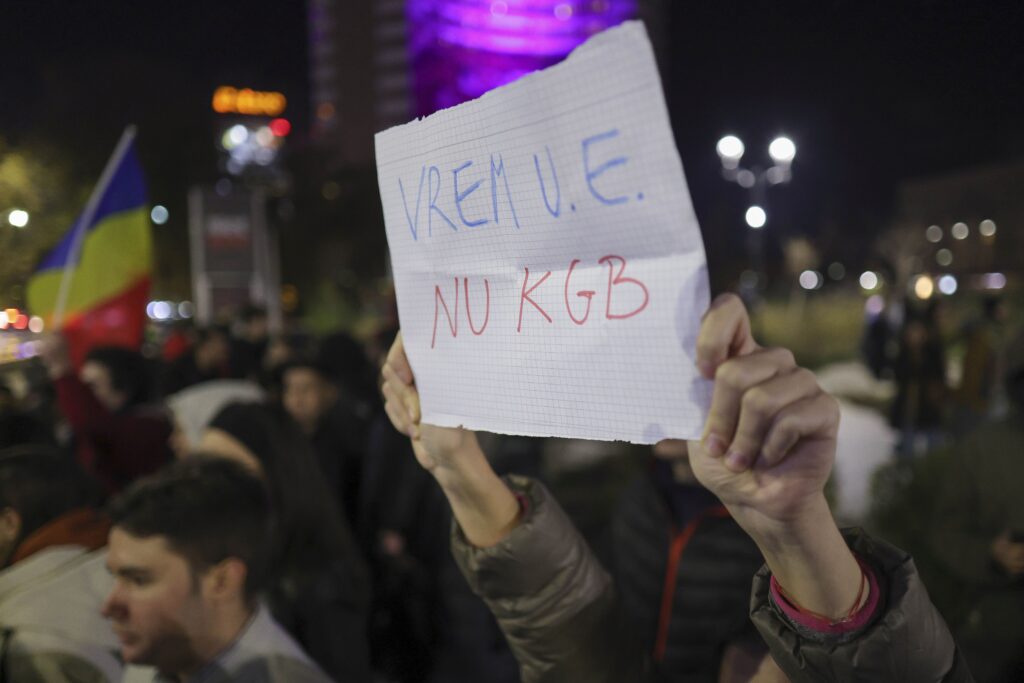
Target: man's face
<point>214,352</point>
<point>306,396</point>
<point>155,607</point>
<point>97,377</point>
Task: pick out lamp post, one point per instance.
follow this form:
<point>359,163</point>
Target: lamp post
<point>756,180</point>
<point>17,218</point>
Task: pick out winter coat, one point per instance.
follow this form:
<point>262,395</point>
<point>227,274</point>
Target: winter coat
<point>50,601</point>
<point>563,618</point>
<point>116,448</point>
<point>683,569</point>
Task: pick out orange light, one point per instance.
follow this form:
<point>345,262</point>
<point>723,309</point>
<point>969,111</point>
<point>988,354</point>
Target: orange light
<point>12,314</point>
<point>228,100</point>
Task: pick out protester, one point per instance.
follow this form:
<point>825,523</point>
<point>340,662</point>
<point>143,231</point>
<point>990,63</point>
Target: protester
<point>311,399</point>
<point>119,434</point>
<point>978,534</point>
<point>195,407</point>
<point>920,371</point>
<point>18,426</point>
<point>683,568</point>
<point>828,607</point>
<point>976,396</point>
<point>319,588</point>
<point>207,360</point>
<point>249,343</point>
<point>189,557</point>
<point>53,580</point>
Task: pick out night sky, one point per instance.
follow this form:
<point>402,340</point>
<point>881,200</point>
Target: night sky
<point>872,92</point>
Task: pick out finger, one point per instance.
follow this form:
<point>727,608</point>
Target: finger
<point>759,407</point>
<point>397,415</point>
<point>406,394</point>
<point>398,361</point>
<point>816,417</point>
<point>724,333</point>
<point>732,379</point>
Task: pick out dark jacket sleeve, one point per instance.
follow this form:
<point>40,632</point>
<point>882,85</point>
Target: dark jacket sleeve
<point>554,602</point>
<point>907,641</point>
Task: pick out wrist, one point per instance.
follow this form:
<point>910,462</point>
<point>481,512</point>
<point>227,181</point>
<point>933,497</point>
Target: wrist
<point>485,508</point>
<point>809,557</point>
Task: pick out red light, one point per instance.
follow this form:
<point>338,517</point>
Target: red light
<point>280,127</point>
<point>21,322</point>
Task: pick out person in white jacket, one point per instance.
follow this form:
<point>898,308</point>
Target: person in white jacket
<point>53,580</point>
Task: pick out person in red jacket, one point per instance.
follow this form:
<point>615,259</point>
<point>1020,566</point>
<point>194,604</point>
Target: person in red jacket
<point>119,435</point>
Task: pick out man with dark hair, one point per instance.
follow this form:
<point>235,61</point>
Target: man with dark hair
<point>313,401</point>
<point>250,342</point>
<point>53,580</point>
<point>189,554</point>
<point>206,360</point>
<point>119,435</point>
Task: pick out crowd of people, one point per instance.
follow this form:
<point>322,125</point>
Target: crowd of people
<point>352,569</point>
<point>243,508</point>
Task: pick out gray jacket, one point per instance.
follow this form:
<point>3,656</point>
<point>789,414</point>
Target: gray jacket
<point>558,608</point>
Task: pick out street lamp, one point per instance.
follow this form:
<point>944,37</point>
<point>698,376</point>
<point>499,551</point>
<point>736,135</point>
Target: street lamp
<point>756,180</point>
<point>18,218</point>
<point>756,217</point>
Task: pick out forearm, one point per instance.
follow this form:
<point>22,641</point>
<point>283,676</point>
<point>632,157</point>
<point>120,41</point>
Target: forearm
<point>484,507</point>
<point>810,560</point>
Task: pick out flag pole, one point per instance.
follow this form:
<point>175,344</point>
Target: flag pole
<point>127,137</point>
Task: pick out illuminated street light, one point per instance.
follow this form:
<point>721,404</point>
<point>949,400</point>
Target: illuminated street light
<point>756,217</point>
<point>933,234</point>
<point>811,279</point>
<point>730,149</point>
<point>924,287</point>
<point>944,257</point>
<point>987,228</point>
<point>948,285</point>
<point>782,150</point>
<point>18,218</point>
<point>960,231</point>
<point>159,214</point>
<point>868,280</point>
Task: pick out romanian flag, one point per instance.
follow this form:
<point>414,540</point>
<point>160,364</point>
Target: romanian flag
<point>94,285</point>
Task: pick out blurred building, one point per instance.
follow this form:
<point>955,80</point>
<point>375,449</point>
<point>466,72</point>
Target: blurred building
<point>971,221</point>
<point>378,63</point>
<point>359,74</point>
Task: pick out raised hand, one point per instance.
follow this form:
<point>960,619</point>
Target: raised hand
<point>770,439</point>
<point>768,448</point>
<point>435,447</point>
<point>483,505</point>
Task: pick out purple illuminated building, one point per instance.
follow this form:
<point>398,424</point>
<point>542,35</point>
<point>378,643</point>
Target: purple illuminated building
<point>460,49</point>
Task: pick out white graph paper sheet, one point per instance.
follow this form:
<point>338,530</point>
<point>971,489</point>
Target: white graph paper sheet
<point>548,263</point>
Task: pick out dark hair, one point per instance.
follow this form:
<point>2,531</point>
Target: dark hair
<point>311,364</point>
<point>41,484</point>
<point>208,509</point>
<point>129,372</point>
<point>250,312</point>
<point>344,360</point>
<point>205,334</point>
<point>990,306</point>
<point>311,531</point>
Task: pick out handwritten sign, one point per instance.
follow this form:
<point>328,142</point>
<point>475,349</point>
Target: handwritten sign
<point>548,263</point>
